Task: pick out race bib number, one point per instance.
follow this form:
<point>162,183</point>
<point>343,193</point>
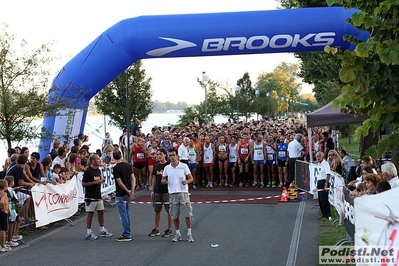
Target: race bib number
<point>191,153</point>
<point>244,150</point>
<point>140,155</point>
<point>232,157</point>
<point>259,153</point>
<point>207,157</point>
<point>281,154</point>
<point>270,157</point>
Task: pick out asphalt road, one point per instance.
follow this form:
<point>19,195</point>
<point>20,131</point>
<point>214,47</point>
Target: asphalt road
<point>246,234</point>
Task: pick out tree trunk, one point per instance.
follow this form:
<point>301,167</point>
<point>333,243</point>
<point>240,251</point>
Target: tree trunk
<point>368,141</point>
<point>395,158</point>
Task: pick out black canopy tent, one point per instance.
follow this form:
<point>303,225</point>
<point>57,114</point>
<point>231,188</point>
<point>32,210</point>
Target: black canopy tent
<point>327,116</point>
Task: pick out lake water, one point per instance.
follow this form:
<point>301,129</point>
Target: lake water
<point>95,128</point>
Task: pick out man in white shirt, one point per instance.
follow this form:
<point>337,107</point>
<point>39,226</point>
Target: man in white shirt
<point>323,178</point>
<point>177,175</point>
<point>390,174</point>
<point>60,159</point>
<point>182,152</point>
<point>294,150</point>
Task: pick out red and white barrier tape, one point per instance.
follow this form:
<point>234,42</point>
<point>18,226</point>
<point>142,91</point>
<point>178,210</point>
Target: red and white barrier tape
<point>198,202</point>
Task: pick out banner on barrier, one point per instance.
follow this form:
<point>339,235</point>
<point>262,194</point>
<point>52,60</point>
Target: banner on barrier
<point>54,202</point>
<point>377,220</point>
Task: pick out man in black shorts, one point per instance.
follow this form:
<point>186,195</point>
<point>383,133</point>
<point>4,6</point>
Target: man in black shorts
<point>160,195</point>
<point>92,181</point>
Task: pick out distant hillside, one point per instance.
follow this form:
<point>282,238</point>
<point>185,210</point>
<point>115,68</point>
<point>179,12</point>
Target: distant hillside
<point>160,107</point>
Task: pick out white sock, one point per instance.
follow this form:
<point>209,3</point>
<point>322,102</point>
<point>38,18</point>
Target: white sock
<point>188,231</point>
<point>89,231</point>
<point>102,229</point>
<point>177,232</point>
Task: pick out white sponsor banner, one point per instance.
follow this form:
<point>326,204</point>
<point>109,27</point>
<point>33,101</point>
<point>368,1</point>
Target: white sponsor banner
<point>108,186</point>
<point>314,172</point>
<point>377,221</point>
<point>54,202</point>
<point>67,124</point>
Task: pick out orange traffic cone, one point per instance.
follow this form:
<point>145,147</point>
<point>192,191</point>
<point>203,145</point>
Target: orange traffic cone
<point>284,196</point>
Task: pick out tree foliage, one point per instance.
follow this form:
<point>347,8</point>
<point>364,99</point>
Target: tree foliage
<point>371,71</point>
<point>280,84</point>
<point>318,68</point>
<point>111,100</point>
<point>24,77</point>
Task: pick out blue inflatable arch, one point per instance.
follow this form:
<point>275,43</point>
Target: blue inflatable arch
<point>273,31</point>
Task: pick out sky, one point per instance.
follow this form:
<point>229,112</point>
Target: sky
<point>75,24</point>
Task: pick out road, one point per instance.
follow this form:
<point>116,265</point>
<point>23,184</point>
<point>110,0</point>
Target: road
<point>246,234</point>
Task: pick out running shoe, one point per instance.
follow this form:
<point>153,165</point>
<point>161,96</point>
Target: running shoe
<point>177,238</point>
<point>167,233</point>
<point>240,185</point>
<point>5,249</point>
<point>194,187</point>
<point>262,185</point>
<point>105,233</point>
<point>255,184</point>
<point>12,244</point>
<point>154,232</point>
<point>274,184</point>
<point>91,236</point>
<point>190,239</point>
<point>17,238</point>
<point>269,184</point>
<point>124,239</point>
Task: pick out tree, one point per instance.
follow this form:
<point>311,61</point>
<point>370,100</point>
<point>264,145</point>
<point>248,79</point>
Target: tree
<point>111,100</point>
<point>282,82</point>
<point>246,96</point>
<point>23,88</point>
<point>189,114</point>
<point>371,71</point>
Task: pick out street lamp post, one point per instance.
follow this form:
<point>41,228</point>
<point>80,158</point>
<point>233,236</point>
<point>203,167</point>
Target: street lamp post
<point>257,106</point>
<point>268,105</point>
<point>205,79</point>
<point>277,106</point>
<point>238,88</point>
<point>287,105</point>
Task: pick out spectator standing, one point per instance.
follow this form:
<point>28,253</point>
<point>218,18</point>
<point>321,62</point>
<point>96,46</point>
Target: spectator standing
<point>348,162</point>
<point>125,183</point>
<point>294,150</point>
<point>92,181</point>
<point>322,185</point>
<point>17,171</point>
<point>13,217</point>
<point>107,137</point>
<point>135,127</point>
<point>177,175</point>
<point>3,216</point>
